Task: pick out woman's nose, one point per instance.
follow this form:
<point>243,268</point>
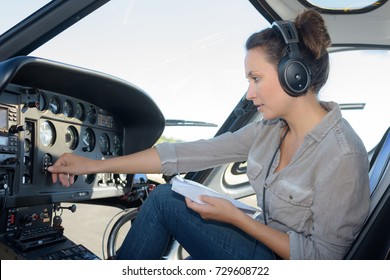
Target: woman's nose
<point>250,93</point>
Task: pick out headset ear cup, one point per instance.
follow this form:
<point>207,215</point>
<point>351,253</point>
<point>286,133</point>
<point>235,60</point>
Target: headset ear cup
<point>294,76</point>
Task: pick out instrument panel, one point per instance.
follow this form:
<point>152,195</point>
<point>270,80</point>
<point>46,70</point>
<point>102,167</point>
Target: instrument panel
<point>102,130</point>
<point>57,123</point>
<point>51,124</point>
<point>49,108</point>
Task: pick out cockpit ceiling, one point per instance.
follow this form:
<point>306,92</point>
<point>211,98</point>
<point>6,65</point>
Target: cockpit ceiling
<point>373,23</point>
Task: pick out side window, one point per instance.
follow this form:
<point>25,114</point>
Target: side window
<point>235,175</point>
<point>358,81</point>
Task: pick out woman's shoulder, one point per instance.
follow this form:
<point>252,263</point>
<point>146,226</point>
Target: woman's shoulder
<point>338,133</point>
<point>348,138</point>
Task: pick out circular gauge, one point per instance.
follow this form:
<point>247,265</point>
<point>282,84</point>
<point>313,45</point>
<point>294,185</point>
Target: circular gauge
<point>71,137</point>
<point>47,133</point>
<point>79,112</point>
<point>55,105</point>
<point>91,114</point>
<point>88,140</point>
<point>116,145</point>
<point>27,145</point>
<point>41,102</point>
<point>68,108</point>
<point>104,144</point>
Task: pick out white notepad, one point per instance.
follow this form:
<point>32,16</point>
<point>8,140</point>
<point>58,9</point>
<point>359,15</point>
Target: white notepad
<point>193,190</point>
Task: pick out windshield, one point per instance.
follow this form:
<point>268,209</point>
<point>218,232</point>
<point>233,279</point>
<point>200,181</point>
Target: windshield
<point>14,11</point>
<point>189,57</point>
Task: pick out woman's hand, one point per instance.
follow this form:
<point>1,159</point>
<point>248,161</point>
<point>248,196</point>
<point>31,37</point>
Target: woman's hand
<point>218,209</point>
<point>67,166</point>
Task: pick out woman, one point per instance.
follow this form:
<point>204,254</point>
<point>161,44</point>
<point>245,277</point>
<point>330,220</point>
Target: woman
<point>308,167</point>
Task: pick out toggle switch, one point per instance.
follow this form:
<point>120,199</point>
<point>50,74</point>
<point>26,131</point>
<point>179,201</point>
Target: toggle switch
<point>16,128</point>
<point>47,161</point>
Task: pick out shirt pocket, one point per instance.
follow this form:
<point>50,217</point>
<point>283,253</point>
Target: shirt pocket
<point>253,169</point>
<point>290,204</point>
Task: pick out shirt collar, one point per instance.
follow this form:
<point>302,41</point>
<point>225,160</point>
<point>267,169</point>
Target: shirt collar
<point>328,122</point>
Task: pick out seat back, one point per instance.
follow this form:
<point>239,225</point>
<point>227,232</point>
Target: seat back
<point>379,161</point>
<point>373,242</point>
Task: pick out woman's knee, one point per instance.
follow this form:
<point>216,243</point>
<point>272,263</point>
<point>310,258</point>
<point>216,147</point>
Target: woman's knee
<point>163,204</point>
<point>163,195</point>
<point>160,191</point>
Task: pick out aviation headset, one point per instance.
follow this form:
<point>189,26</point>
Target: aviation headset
<point>294,74</point>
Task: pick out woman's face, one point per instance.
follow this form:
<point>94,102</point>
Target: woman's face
<point>264,87</point>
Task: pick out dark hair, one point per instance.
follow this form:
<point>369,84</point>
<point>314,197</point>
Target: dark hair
<point>314,40</point>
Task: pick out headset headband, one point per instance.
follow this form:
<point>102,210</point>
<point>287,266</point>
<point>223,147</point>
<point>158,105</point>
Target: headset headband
<point>290,36</point>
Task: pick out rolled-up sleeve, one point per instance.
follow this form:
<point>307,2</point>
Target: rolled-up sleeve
<point>203,154</point>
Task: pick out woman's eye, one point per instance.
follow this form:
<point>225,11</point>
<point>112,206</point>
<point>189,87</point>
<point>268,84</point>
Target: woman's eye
<point>254,79</point>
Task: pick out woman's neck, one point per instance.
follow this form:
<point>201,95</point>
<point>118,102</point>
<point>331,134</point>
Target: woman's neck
<point>305,115</point>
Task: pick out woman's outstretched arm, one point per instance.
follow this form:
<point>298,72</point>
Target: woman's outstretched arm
<point>68,165</point>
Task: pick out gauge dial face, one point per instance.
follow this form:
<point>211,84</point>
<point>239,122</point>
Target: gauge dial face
<point>68,108</point>
<point>27,145</point>
<point>80,112</point>
<point>71,137</point>
<point>91,114</point>
<point>116,145</point>
<point>104,144</point>
<point>55,105</point>
<point>41,102</point>
<point>88,140</point>
<point>47,133</point>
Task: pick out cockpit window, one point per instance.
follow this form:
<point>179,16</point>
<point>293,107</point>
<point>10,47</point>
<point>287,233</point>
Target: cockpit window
<point>361,94</point>
<point>14,12</point>
<point>342,7</point>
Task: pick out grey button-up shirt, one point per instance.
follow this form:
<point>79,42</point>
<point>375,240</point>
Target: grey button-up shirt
<point>321,198</point>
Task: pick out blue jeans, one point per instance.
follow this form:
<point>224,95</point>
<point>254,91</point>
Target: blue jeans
<point>165,215</point>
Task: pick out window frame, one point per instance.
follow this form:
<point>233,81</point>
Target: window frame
<point>375,5</point>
